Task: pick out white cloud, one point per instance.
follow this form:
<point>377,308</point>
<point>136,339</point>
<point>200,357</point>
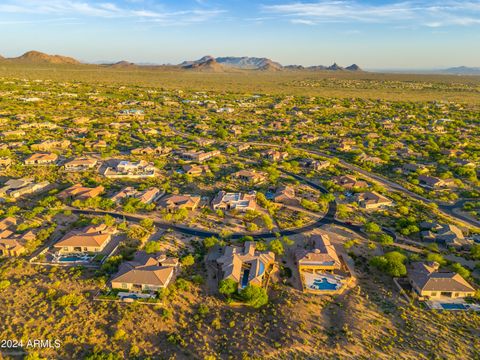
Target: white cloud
<point>436,13</point>
<point>89,8</point>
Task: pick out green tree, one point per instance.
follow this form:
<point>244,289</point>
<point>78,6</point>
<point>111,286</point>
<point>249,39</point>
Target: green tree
<point>227,287</point>
<point>436,258</point>
<point>153,247</point>
<point>459,269</point>
<point>4,284</point>
<point>188,260</point>
<point>371,227</point>
<point>254,296</point>
<point>210,242</point>
<point>276,246</point>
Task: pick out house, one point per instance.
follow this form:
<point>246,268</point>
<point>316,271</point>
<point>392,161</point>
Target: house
<point>7,223</point>
<point>245,265</point>
<point>286,195</point>
<point>364,158</point>
<point>176,202</point>
<point>145,273</point>
<point>146,196</point>
<point>275,155</point>
<point>131,113</point>
<point>430,283</point>
<point>319,267</point>
<point>12,244</point>
<point>130,169</point>
<point>149,195</point>
<point>250,176</point>
<point>92,239</point>
<point>195,170</point>
<point>243,147</point>
<point>349,182</point>
<point>11,247</point>
<point>234,201</point>
<point>323,256</point>
<point>41,159</point>
<point>411,168</point>
<point>432,182</point>
<point>28,189</point>
<point>13,184</point>
<point>100,144</point>
<point>80,192</point>
<point>80,164</point>
<point>199,156</point>
<point>48,145</point>
<point>151,151</point>
<point>372,200</point>
<point>314,164</point>
<point>449,235</point>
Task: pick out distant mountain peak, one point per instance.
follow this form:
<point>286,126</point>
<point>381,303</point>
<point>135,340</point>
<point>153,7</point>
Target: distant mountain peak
<point>206,63</point>
<point>123,63</point>
<point>39,57</point>
<point>353,67</point>
<point>335,67</point>
<point>462,70</point>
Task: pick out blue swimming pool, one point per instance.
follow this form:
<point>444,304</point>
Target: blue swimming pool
<point>324,284</point>
<point>261,268</point>
<point>451,306</point>
<point>245,278</point>
<point>73,258</point>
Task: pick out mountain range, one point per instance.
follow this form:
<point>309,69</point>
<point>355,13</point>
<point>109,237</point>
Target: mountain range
<point>211,63</point>
<point>217,64</point>
<point>462,70</point>
<point>206,63</point>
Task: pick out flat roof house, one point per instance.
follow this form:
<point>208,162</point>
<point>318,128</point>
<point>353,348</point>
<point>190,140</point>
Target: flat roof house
<point>130,169</point>
<point>92,239</point>
<point>430,283</point>
<point>145,273</point>
<point>234,201</point>
<point>41,159</point>
<point>245,265</point>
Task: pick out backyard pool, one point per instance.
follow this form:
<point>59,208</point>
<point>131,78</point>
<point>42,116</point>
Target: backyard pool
<point>323,284</point>
<point>74,259</point>
<point>246,273</point>
<point>453,306</point>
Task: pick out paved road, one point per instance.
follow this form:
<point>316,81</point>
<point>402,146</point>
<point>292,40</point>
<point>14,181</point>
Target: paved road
<point>444,208</point>
<point>329,218</point>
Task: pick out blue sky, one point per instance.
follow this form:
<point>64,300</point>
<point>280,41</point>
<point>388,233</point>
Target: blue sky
<point>373,34</point>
